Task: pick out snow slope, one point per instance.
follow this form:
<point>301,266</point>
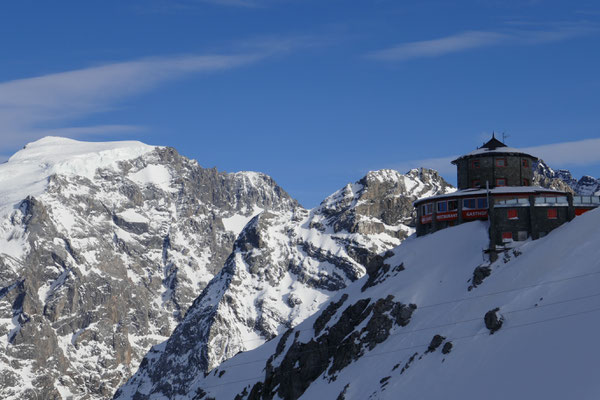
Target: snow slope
<point>546,291</point>
<point>27,171</point>
<point>283,267</point>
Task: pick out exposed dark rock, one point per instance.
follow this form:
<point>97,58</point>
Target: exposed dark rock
<point>479,274</point>
<point>327,313</point>
<point>436,341</point>
<point>341,343</point>
<point>447,348</point>
<point>408,363</point>
<point>378,270</point>
<point>342,395</point>
<point>493,320</point>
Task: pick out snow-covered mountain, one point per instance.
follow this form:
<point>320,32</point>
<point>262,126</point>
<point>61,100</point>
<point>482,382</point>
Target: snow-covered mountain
<point>105,246</point>
<point>283,267</point>
<point>415,328</point>
<point>562,179</point>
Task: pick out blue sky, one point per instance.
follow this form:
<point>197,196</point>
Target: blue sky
<point>313,93</point>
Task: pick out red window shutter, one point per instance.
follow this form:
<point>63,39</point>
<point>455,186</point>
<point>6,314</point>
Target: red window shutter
<point>512,214</point>
<point>506,235</point>
<point>552,213</point>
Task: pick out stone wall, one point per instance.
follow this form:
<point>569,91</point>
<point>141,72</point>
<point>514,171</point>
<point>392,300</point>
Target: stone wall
<point>513,172</point>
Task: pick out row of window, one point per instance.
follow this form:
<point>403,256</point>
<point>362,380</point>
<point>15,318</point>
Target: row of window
<point>586,199</point>
<point>482,204</point>
<point>476,183</point>
<point>540,200</point>
<point>522,201</point>
<point>452,205</point>
<point>552,200</point>
<point>499,162</point>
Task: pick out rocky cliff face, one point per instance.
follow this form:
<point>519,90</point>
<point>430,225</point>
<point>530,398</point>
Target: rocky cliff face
<point>283,267</point>
<point>562,179</point>
<point>105,254</point>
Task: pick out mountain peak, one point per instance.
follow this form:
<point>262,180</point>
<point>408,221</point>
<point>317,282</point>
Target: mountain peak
<point>28,169</point>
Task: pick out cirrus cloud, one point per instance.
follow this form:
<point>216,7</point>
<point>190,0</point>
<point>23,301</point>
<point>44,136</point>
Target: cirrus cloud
<point>469,40</point>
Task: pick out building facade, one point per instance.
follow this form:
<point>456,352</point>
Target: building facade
<point>494,184</point>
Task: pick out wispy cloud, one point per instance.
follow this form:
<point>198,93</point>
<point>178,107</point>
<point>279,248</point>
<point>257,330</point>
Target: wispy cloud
<point>236,3</point>
<point>33,107</point>
<point>175,5</point>
<point>439,47</point>
<point>469,40</point>
<point>557,155</point>
<point>577,153</point>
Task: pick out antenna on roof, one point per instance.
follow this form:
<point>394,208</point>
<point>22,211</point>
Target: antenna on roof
<point>504,136</point>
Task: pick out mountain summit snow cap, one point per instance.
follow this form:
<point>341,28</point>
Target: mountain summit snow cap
<point>29,168</point>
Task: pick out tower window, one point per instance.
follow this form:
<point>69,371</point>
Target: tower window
<point>500,162</point>
<point>513,214</point>
<point>525,163</point>
<point>525,182</point>
<point>501,182</point>
<point>475,163</point>
<point>476,183</point>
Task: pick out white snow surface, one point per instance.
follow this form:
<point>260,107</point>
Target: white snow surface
<point>546,290</point>
<point>27,171</point>
<point>237,222</point>
<point>157,175</point>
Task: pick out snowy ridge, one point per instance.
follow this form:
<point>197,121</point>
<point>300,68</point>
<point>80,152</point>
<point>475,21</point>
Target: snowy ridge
<point>27,171</point>
<point>546,292</point>
<point>103,247</point>
<point>562,179</point>
<point>285,265</point>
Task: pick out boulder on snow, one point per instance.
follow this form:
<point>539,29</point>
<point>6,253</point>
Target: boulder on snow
<point>479,274</point>
<point>447,348</point>
<point>436,341</point>
<point>493,320</point>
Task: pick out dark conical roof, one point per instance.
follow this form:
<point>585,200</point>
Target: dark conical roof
<point>496,147</point>
<point>493,144</point>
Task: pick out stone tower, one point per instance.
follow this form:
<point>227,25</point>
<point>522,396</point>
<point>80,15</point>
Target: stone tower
<point>496,164</point>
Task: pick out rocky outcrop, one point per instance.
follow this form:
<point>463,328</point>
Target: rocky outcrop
<point>563,180</point>
<point>288,377</point>
<point>96,269</point>
<point>493,320</point>
<point>285,265</point>
<point>381,202</point>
